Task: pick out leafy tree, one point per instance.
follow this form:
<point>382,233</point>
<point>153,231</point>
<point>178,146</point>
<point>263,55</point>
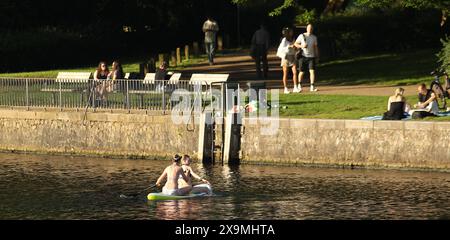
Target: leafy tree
<point>442,5</point>
<point>321,6</point>
<point>444,54</point>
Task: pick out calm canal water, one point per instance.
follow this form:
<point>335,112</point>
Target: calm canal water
<point>60,187</point>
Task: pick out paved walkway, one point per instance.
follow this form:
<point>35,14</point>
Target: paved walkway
<point>242,68</point>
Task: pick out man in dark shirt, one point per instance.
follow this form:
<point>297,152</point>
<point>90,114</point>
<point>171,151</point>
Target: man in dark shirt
<point>161,72</point>
<point>161,75</point>
<point>260,45</point>
<point>427,103</point>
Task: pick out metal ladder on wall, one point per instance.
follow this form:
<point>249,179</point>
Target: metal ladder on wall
<point>216,131</point>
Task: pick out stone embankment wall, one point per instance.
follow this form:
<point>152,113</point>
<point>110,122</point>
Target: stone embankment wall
<point>131,135</point>
<point>398,144</point>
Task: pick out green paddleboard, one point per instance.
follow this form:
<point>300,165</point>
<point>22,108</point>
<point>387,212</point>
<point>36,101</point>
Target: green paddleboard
<point>161,196</point>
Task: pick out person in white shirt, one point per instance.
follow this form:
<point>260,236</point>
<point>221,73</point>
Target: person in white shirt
<point>307,42</point>
<point>286,51</point>
<point>210,28</point>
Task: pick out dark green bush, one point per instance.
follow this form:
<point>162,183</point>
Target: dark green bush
<point>444,54</point>
<point>395,31</point>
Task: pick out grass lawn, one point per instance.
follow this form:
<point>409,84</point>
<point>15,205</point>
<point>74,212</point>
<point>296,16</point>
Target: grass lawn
<point>381,69</point>
<point>337,106</point>
<point>127,67</point>
<point>384,69</point>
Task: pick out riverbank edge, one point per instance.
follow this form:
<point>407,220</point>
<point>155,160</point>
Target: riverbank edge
<point>30,131</point>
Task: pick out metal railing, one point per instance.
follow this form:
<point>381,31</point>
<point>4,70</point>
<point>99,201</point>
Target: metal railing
<point>124,94</point>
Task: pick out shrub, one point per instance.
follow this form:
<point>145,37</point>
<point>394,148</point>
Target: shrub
<point>395,31</point>
<point>444,54</point>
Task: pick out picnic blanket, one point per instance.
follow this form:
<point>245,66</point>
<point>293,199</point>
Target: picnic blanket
<point>376,118</point>
<point>443,114</point>
<point>408,116</point>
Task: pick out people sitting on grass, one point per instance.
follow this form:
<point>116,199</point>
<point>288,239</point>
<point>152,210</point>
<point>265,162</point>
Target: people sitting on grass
<point>172,174</point>
<point>427,106</point>
<point>397,106</point>
<point>186,162</point>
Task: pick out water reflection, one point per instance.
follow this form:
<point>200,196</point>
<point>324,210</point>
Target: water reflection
<point>52,187</point>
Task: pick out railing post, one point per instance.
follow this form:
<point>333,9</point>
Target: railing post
<point>93,95</point>
<point>211,97</point>
<point>164,97</point>
<point>60,96</point>
<point>128,95</point>
<point>27,94</point>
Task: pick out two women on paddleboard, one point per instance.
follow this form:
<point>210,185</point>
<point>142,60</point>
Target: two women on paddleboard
<point>179,176</point>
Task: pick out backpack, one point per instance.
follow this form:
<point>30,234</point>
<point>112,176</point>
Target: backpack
<point>299,54</point>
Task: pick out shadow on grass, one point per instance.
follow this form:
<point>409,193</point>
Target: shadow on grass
<point>304,102</point>
<point>399,69</point>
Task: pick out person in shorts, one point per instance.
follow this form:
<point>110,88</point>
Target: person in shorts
<point>307,43</point>
<point>286,51</point>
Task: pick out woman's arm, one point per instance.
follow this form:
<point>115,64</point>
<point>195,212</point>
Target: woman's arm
<point>161,178</point>
<point>197,176</point>
<point>389,104</point>
<point>114,76</point>
<point>405,105</point>
<point>95,75</point>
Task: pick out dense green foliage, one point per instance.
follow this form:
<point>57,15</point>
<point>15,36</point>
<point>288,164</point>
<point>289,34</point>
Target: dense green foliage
<point>48,34</point>
<point>44,34</point>
<point>390,31</point>
<point>444,55</point>
<point>418,4</point>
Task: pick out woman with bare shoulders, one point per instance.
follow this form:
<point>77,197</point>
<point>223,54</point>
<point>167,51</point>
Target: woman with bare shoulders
<point>186,162</point>
<point>116,71</point>
<point>171,174</point>
<point>100,75</point>
<point>397,106</point>
<point>115,75</point>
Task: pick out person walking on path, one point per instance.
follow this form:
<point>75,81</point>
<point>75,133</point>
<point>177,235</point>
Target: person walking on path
<point>260,46</point>
<point>307,42</point>
<point>210,28</point>
<point>286,51</point>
